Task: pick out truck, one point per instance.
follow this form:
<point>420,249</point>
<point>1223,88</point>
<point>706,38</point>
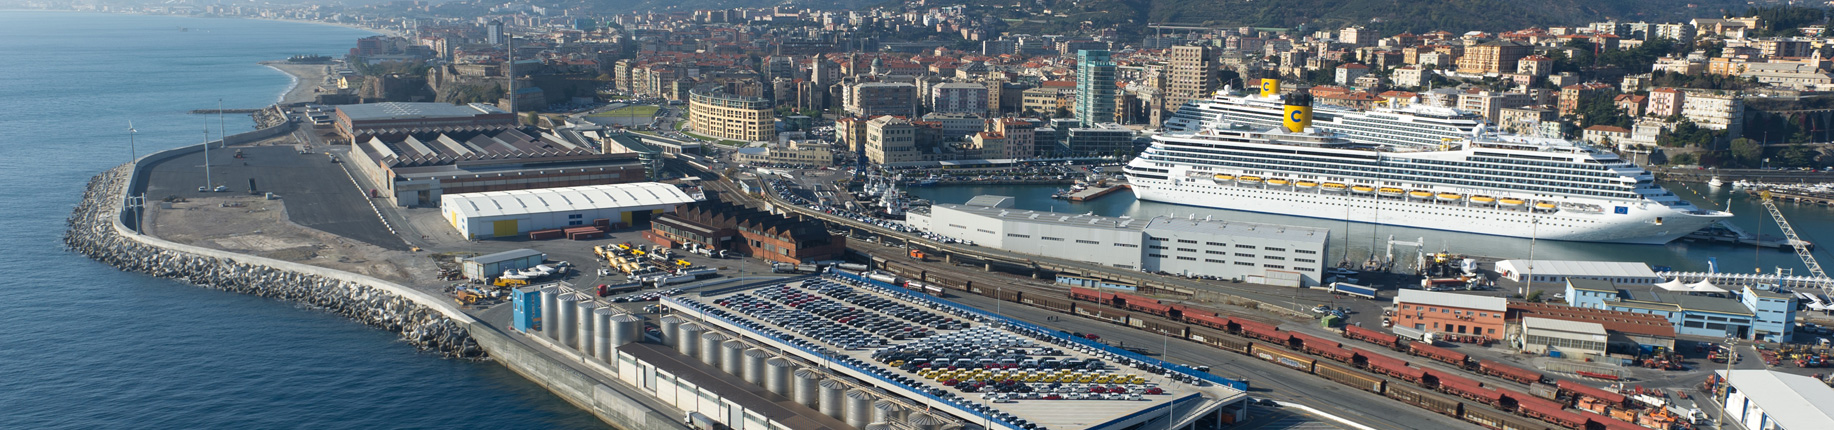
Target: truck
<point>794,268</point>
<point>1353,290</point>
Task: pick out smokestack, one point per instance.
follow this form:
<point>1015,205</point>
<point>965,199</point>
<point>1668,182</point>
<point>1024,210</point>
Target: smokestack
<point>1270,87</point>
<point>1298,112</point>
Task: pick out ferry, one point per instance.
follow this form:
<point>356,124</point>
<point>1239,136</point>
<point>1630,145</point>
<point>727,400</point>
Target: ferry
<point>1484,183</point>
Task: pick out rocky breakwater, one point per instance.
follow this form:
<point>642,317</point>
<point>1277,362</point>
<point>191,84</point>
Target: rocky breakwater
<point>95,230</point>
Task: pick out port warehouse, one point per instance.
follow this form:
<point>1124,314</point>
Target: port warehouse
<point>1562,270</point>
<point>1763,399</point>
<point>510,213</point>
<point>359,122</point>
<point>747,231</point>
<point>710,359</point>
<point>1565,404</point>
<point>417,169</point>
<point>484,267</point>
<point>1260,253</point>
<point>1754,314</point>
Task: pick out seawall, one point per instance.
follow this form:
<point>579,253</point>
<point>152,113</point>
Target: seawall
<point>98,228</point>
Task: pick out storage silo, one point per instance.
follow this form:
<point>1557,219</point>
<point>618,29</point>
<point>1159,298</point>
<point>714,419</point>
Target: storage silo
<point>670,324</point>
<point>710,350</point>
<point>887,411</point>
<point>549,312</point>
<point>732,358</point>
<point>567,325</point>
<point>777,376</point>
<point>601,334</point>
<point>859,408</point>
<point>584,325</point>
<point>754,366</point>
<point>687,338</point>
<point>807,387</point>
<point>833,391</point>
<point>923,421</point>
<point>626,328</point>
<point>879,426</point>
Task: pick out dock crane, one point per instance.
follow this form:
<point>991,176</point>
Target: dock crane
<point>1795,242</point>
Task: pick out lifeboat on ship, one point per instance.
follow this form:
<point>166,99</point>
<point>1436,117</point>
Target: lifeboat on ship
<point>1483,200</point>
<point>1510,203</point>
<point>1390,192</point>
<point>1546,207</point>
<point>1305,185</point>
<point>1362,189</point>
<point>1278,183</point>
<point>1419,195</point>
<point>1248,181</point>
<point>1448,197</point>
<point>1224,178</point>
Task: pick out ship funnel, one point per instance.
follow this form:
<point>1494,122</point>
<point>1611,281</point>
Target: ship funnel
<point>1270,87</point>
<point>1298,112</point>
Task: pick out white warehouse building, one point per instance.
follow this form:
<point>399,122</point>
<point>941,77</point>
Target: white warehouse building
<point>510,213</point>
<point>1258,253</point>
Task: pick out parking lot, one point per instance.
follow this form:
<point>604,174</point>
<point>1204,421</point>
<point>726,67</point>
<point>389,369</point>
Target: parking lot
<point>318,193</point>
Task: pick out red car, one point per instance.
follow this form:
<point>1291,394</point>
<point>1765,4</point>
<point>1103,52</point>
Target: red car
<point>1092,336</point>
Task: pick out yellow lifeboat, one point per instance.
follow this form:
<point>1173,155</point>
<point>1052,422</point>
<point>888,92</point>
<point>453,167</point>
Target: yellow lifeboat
<point>1510,202</point>
<point>1277,182</point>
<point>1390,192</point>
<point>1248,179</point>
<point>1333,186</point>
<point>1224,177</point>
<point>1446,197</point>
<point>1544,206</point>
<point>1419,194</point>
<point>1306,184</point>
<point>1483,200</point>
<point>1360,189</point>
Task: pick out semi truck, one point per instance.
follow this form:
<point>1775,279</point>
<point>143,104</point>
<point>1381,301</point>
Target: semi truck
<point>1353,290</point>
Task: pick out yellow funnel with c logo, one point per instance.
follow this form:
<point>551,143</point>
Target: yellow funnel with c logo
<point>1270,87</point>
<point>1298,112</point>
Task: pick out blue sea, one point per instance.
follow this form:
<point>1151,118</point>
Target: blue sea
<point>86,346</point>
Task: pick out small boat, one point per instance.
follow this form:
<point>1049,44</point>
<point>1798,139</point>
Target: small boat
<point>1361,189</point>
<point>1390,192</point>
<point>1309,184</point>
<point>1277,182</point>
<point>1248,180</point>
<point>1483,200</point>
<point>1544,206</point>
<point>1510,202</point>
<point>1419,194</point>
<point>1224,178</point>
<point>1447,197</point>
<point>1716,183</point>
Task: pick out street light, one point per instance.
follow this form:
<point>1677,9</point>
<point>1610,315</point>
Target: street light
<point>1534,232</point>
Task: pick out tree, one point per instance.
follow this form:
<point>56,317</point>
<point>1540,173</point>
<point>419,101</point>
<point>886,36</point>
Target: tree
<point>1534,296</point>
<point>1748,152</point>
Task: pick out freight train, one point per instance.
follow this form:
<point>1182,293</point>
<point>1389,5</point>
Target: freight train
<point>1447,393</point>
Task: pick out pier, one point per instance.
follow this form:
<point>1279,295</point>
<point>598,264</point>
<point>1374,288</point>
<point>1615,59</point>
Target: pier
<point>211,111</point>
<point>1095,192</point>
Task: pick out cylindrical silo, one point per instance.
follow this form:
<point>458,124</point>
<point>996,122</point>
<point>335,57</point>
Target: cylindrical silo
<point>601,333</point>
<point>626,328</point>
<point>754,365</point>
<point>923,421</point>
<point>777,376</point>
<point>670,325</point>
<point>832,393</point>
<point>584,325</point>
<point>568,306</point>
<point>879,426</point>
<point>859,408</point>
<point>549,312</point>
<point>807,387</point>
<point>886,411</point>
<point>732,358</point>
<point>710,347</point>
<point>687,339</point>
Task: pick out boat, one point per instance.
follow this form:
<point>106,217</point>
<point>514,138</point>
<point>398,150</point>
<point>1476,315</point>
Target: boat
<point>1223,179</point>
<point>1716,183</point>
<point>1277,182</point>
<point>1448,197</point>
<point>1400,123</point>
<point>1483,200</point>
<point>1309,184</point>
<point>929,181</point>
<point>1633,208</point>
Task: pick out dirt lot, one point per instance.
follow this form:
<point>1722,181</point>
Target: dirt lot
<point>256,226</point>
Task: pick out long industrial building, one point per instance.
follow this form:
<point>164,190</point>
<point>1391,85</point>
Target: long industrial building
<point>1252,252</point>
<point>1765,399</point>
<point>510,213</point>
<point>356,123</point>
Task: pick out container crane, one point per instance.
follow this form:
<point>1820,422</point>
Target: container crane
<point>1795,242</point>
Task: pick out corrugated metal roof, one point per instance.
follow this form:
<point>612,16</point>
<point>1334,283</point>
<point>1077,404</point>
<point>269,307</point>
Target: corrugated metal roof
<point>1466,301</point>
<point>401,110</point>
<point>1236,228</point>
<point>522,202</point>
<point>1791,401</point>
<point>1614,269</point>
<point>1563,325</point>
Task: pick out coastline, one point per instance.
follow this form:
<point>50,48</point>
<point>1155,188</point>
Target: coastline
<point>307,80</point>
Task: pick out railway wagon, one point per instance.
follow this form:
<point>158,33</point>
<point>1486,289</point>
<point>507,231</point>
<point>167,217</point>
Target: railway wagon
<point>1392,367</point>
<point>1349,377</point>
<point>1261,331</point>
<point>1372,336</point>
<point>1300,341</point>
<point>1578,389</point>
<point>1091,295</point>
<point>1054,304</point>
<point>1103,314</point>
<point>1601,422</point>
<point>1495,420</point>
<point>1221,340</point>
<point>1550,411</point>
<point>1425,399</point>
<point>1447,356</point>
<point>1283,357</point>
<point>1339,354</point>
<point>1214,321</point>
<point>1010,294</point>
<point>1469,389</point>
<point>1509,372</point>
<point>1168,328</point>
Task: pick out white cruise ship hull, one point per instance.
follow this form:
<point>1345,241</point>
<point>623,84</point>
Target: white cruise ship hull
<point>1643,223</point>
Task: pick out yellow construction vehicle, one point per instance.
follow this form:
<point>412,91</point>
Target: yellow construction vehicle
<point>506,282</point>
<point>466,298</point>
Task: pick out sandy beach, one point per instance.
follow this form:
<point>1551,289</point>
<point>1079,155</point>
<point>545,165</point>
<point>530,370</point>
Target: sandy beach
<point>307,80</point>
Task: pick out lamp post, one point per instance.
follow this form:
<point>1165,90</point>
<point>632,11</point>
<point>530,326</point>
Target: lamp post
<point>1534,232</point>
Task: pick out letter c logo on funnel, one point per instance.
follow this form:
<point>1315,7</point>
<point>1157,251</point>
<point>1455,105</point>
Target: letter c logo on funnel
<point>1296,116</point>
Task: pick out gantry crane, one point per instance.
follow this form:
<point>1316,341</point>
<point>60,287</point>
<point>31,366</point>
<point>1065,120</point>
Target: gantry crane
<point>1795,242</point>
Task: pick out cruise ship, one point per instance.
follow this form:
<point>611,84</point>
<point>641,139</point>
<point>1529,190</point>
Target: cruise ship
<point>1403,125</point>
<point>1483,183</point>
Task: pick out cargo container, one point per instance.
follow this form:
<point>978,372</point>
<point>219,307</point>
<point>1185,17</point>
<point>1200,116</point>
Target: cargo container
<point>1424,399</point>
<point>1371,336</point>
<point>547,234</point>
<point>527,308</point>
<point>1220,340</point>
<point>1544,391</point>
<point>1438,354</point>
<point>1508,372</point>
<point>1348,377</point>
<point>1283,357</point>
<point>1577,389</point>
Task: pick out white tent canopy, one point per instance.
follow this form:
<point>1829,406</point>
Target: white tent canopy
<point>1674,285</point>
<point>1705,287</point>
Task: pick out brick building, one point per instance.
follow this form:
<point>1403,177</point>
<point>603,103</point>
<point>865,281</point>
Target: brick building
<point>1435,312</point>
<point>747,231</point>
